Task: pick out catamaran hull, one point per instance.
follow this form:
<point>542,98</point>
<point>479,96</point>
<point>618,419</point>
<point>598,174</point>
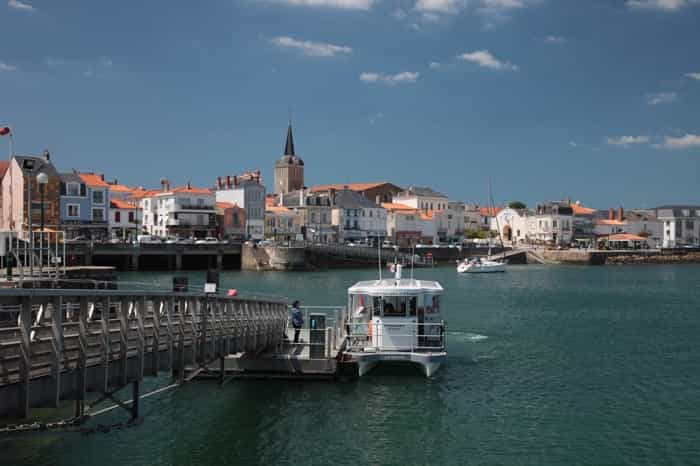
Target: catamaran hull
<point>427,363</point>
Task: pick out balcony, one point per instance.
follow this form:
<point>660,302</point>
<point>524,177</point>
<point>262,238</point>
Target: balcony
<point>194,207</point>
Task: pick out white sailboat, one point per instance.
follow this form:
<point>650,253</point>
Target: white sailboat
<point>488,265</point>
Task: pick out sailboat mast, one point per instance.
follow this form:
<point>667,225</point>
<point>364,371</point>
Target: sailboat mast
<point>498,228</point>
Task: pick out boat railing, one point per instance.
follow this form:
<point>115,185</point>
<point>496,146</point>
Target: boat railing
<point>333,330</point>
<point>372,337</point>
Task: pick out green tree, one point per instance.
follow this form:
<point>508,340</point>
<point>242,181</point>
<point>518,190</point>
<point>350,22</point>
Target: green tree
<point>517,205</point>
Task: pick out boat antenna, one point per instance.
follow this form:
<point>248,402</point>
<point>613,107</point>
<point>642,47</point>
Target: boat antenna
<point>379,256</point>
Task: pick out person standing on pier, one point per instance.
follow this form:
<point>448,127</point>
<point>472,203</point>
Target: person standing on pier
<point>297,320</point>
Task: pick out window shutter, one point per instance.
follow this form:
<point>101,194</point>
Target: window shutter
<point>83,190</point>
<point>63,188</point>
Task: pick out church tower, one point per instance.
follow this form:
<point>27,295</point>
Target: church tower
<point>289,169</point>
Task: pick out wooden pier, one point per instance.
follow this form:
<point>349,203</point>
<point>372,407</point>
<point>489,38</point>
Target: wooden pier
<point>60,344</point>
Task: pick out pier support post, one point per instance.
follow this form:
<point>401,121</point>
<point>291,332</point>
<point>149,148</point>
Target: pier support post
<point>136,394</point>
<point>219,261</point>
<point>178,262</point>
<point>135,263</point>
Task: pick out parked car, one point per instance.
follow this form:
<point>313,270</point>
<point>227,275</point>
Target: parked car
<point>185,241</point>
<point>148,239</point>
<point>170,240</point>
<point>207,240</point>
<point>77,239</point>
<point>264,243</point>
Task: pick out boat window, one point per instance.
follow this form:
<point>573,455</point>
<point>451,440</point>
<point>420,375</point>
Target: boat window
<point>394,306</point>
<point>433,304</point>
<point>360,305</point>
<point>377,306</point>
<point>412,305</point>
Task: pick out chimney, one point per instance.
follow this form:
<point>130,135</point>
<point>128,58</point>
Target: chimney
<point>281,199</point>
<point>621,213</point>
<point>301,197</point>
<point>102,176</point>
<point>228,181</point>
<point>189,185</point>
<point>46,155</point>
<point>164,184</point>
<point>332,195</point>
<point>115,182</point>
<point>218,182</point>
<point>235,180</point>
<point>611,214</point>
<point>378,200</point>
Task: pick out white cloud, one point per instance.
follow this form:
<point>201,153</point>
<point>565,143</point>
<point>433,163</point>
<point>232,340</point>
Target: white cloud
<point>310,48</point>
<point>391,79</point>
<point>661,98</point>
<point>554,39</point>
<point>7,67</point>
<point>626,141</point>
<point>106,62</point>
<point>486,59</point>
<point>336,4</point>
<point>433,65</point>
<point>695,76</point>
<point>661,5</point>
<point>17,5</point>
<point>376,117</point>
<point>442,7</point>
<point>414,26</point>
<point>399,14</point>
<point>573,143</point>
<point>689,141</point>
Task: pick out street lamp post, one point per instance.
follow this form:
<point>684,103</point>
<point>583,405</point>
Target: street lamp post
<point>42,179</point>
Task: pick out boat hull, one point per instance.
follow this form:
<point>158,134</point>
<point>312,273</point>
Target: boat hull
<point>428,363</point>
<point>494,267</point>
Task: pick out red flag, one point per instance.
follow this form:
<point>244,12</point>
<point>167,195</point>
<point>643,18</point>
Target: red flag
<point>4,131</point>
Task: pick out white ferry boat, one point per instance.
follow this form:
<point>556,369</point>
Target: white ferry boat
<point>396,320</point>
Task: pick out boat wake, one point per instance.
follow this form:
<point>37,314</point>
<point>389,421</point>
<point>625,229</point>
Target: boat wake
<point>466,336</point>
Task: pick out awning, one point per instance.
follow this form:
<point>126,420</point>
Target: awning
<point>625,237</point>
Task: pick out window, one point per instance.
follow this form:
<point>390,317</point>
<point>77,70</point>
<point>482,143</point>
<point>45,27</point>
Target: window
<point>98,196</point>
<point>131,217</point>
<point>117,216</point>
<point>324,217</point>
<point>370,213</point>
<point>200,202</point>
<point>554,223</point>
<point>355,224</point>
<point>73,210</point>
<point>73,189</point>
<point>98,214</point>
<point>200,219</point>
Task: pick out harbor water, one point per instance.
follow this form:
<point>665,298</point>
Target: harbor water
<point>547,365</point>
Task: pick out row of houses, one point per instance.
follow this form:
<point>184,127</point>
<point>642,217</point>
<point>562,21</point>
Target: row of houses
<point>565,223</point>
<point>86,205</point>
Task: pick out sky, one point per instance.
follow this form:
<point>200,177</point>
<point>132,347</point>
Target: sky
<point>595,100</point>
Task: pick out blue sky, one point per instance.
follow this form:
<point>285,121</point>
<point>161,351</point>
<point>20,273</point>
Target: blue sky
<point>595,100</point>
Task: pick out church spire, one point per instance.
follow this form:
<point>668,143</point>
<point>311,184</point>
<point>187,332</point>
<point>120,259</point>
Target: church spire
<point>289,147</point>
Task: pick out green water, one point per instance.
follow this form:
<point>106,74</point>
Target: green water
<point>546,366</point>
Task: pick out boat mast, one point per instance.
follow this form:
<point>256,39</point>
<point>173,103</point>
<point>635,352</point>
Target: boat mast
<point>498,228</point>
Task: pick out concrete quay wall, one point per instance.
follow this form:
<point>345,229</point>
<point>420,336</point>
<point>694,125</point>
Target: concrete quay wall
<point>279,258</point>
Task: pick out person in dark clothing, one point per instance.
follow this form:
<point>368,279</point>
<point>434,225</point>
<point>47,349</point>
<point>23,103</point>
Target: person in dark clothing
<point>297,320</point>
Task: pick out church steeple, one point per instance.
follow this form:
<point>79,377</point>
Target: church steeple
<point>289,147</point>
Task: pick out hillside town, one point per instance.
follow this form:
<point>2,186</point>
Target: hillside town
<point>89,206</point>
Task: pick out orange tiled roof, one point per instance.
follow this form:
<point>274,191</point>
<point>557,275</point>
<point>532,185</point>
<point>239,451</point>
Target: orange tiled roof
<point>350,186</point>
<point>610,222</point>
<point>425,216</point>
<point>225,205</point>
<point>277,209</point>
<point>392,207</point>
<point>625,237</point>
<point>581,210</point>
<point>92,179</point>
<point>141,193</point>
<point>121,188</point>
<point>489,211</point>
<point>191,190</point>
<point>119,204</point>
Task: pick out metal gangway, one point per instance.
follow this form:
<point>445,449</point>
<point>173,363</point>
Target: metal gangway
<point>59,345</point>
<point>32,255</point>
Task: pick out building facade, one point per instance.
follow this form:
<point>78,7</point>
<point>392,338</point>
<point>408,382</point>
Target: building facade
<point>356,218</point>
<point>282,224</point>
<point>182,212</point>
<point>124,220</point>
<point>230,220</point>
<point>248,194</point>
<point>289,169</point>
<point>681,225</point>
<point>315,211</point>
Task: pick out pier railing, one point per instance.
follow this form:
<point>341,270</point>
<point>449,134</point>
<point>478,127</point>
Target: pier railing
<point>60,344</point>
<point>404,336</point>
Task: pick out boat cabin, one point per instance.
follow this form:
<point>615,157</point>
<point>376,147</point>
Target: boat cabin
<point>395,314</point>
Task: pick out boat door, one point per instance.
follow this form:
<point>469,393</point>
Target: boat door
<point>421,327</point>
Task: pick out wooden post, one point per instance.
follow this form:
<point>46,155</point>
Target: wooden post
<point>170,304</point>
<point>181,344</point>
<point>139,310</point>
<point>106,343</point>
<point>124,340</point>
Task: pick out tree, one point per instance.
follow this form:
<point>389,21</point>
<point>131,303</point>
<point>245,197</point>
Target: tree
<point>517,205</point>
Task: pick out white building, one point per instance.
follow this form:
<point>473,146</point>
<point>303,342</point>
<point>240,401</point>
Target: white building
<point>181,212</point>
<point>681,225</point>
<point>124,219</point>
<point>282,224</point>
<point>250,195</point>
<point>356,217</point>
<point>422,198</point>
<point>514,225</point>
